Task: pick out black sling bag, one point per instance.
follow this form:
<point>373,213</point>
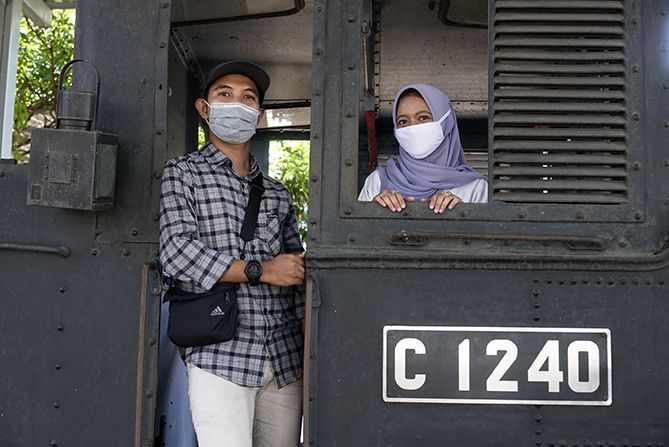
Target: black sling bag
<point>200,319</point>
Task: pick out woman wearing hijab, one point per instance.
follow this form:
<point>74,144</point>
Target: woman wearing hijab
<point>431,167</point>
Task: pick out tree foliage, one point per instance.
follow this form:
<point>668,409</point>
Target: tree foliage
<point>42,54</point>
<point>289,163</point>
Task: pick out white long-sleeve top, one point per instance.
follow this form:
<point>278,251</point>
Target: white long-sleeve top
<point>472,192</point>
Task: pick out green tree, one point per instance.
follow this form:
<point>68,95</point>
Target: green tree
<point>42,54</point>
<point>289,163</point>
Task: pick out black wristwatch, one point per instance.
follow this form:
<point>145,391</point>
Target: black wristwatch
<point>253,272</point>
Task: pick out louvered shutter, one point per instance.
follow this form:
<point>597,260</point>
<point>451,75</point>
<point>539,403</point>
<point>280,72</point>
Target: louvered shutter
<point>558,99</point>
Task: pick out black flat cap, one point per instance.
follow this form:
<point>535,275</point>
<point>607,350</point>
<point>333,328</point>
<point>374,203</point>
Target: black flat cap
<point>248,69</point>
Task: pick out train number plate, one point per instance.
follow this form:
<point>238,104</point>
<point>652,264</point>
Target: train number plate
<point>497,365</point>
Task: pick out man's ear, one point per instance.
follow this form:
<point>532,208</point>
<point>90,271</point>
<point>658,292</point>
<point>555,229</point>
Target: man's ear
<point>261,115</point>
<point>202,108</point>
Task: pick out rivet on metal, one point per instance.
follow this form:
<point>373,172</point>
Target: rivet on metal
<point>347,211</point>
<point>351,19</point>
<point>315,135</point>
<point>58,367</point>
<point>317,93</point>
<point>635,69</point>
<point>351,66</point>
<point>125,252</point>
<point>649,281</point>
<point>95,252</point>
<point>610,281</point>
<point>637,216</point>
<point>623,281</point>
<point>635,20</point>
<point>165,4</point>
<point>573,281</point>
<point>56,405</point>
<point>536,292</point>
<point>149,394</point>
<point>152,341</point>
<point>315,178</point>
<point>162,44</point>
<point>61,289</point>
<point>351,237</point>
<point>463,213</point>
<point>134,232</point>
<point>635,281</point>
<point>580,215</point>
<point>349,114</point>
<point>348,162</point>
<point>159,131</point>
<point>314,222</point>
<point>521,214</point>
<point>318,52</point>
<point>54,442</point>
<point>319,8</point>
<point>60,328</point>
<point>636,116</point>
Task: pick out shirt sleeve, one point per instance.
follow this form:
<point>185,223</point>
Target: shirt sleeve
<point>292,244</point>
<point>372,187</point>
<point>182,255</point>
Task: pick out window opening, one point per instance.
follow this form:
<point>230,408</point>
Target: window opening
<point>289,163</point>
<point>401,49</point>
<point>43,51</point>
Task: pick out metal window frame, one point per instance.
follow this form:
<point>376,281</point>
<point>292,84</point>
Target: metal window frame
<point>350,208</point>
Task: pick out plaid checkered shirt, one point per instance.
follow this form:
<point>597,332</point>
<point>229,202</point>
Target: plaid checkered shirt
<point>202,206</point>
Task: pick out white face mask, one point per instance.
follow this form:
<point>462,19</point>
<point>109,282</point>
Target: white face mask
<point>420,140</point>
<point>232,122</point>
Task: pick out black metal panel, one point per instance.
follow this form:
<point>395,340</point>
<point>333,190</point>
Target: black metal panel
<point>353,306</point>
<point>76,329</point>
<point>80,289</point>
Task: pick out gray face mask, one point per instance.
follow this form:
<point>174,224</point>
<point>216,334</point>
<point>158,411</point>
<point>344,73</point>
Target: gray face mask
<point>232,122</point>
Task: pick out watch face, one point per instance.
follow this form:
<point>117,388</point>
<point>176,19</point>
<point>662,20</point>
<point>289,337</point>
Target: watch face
<point>254,270</point>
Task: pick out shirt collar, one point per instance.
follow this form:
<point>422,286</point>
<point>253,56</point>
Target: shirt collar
<point>217,158</point>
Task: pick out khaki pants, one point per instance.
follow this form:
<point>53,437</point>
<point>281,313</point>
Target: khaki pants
<point>229,415</point>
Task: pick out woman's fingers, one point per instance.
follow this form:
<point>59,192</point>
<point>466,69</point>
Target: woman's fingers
<point>443,200</point>
<point>391,199</point>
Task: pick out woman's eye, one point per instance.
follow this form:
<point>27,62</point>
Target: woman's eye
<point>424,118</point>
<point>401,123</point>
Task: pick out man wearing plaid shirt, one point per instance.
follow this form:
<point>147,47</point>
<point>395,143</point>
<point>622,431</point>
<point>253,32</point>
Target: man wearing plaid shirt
<point>247,391</point>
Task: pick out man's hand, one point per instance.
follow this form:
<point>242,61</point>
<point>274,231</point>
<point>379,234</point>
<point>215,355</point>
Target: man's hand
<point>284,270</point>
<point>392,199</point>
<point>442,200</point>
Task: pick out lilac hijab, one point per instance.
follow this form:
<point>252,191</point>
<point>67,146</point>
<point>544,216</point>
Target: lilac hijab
<point>443,169</point>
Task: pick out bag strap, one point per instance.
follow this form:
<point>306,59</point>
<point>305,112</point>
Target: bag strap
<point>252,210</point>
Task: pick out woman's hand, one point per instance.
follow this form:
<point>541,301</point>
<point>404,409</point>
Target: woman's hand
<point>442,200</point>
<point>392,199</point>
